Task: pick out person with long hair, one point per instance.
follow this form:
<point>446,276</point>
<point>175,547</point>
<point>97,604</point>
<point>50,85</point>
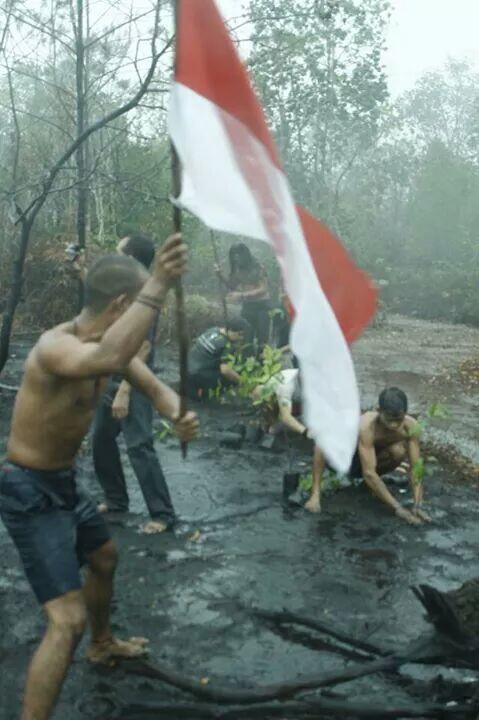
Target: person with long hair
<point>247,283</point>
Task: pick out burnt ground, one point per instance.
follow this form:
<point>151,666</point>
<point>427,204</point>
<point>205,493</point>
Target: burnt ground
<point>235,548</point>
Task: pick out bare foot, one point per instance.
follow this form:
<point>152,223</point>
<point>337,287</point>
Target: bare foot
<point>154,527</point>
<point>313,505</point>
<point>103,508</point>
<point>111,650</point>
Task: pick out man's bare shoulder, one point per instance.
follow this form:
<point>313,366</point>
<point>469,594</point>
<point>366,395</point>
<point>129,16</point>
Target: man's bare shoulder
<point>366,426</point>
<point>411,425</point>
<point>52,342</point>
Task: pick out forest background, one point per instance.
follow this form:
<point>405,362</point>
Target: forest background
<point>85,157</point>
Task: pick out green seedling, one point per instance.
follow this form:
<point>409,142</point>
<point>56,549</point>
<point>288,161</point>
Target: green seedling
<point>165,431</point>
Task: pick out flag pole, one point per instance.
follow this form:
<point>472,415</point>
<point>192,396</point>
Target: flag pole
<point>217,263</point>
<point>179,293</point>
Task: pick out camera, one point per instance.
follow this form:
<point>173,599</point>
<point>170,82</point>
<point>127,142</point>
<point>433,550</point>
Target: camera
<point>72,252</point>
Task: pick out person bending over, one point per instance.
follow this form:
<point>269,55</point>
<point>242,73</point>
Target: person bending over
<point>208,368</point>
<point>55,527</point>
<point>126,410</point>
<point>283,406</point>
<point>387,437</point>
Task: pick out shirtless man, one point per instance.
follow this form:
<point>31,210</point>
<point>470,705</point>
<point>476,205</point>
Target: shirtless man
<point>55,527</point>
<point>387,437</point>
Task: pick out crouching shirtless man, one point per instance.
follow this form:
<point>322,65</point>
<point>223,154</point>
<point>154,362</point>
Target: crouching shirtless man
<point>387,437</point>
<point>55,527</point>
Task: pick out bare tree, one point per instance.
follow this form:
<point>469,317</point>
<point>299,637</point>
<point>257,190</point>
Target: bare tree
<point>24,213</point>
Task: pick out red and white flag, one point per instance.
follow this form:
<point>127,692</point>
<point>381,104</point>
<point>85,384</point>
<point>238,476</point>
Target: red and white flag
<point>232,179</point>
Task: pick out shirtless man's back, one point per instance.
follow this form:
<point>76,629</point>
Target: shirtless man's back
<point>55,527</point>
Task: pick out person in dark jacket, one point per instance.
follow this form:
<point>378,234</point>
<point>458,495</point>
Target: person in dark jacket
<point>208,368</point>
<point>126,410</point>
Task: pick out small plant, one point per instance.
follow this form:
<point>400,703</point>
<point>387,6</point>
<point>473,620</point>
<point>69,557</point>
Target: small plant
<point>256,372</point>
<point>418,471</point>
<point>306,482</point>
<point>165,431</point>
<point>438,411</point>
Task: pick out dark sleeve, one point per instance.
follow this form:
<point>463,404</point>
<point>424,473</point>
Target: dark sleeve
<point>224,349</point>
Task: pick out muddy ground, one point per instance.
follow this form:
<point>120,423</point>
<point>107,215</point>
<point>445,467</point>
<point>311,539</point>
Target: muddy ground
<point>235,548</point>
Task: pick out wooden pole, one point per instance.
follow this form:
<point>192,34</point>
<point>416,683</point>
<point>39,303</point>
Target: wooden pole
<point>179,293</point>
<point>217,262</point>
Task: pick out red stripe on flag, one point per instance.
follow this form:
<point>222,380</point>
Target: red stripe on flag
<point>207,62</point>
<point>350,291</point>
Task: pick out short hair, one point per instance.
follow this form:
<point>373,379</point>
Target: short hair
<point>238,325</point>
<point>140,247</point>
<point>393,401</point>
<point>110,277</point>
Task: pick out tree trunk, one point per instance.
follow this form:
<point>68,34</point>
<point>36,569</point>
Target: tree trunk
<point>82,152</point>
<point>15,293</point>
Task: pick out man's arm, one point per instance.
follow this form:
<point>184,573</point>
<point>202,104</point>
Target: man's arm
<point>64,355</point>
<point>229,373</point>
<point>121,402</point>
<point>286,416</point>
<point>367,455</point>
<point>165,400</point>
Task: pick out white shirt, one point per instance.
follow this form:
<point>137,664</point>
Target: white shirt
<point>283,385</point>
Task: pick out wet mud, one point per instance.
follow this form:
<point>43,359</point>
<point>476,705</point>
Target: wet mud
<point>235,548</point>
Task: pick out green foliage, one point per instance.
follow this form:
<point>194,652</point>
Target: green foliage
<point>417,430</point>
<point>438,411</point>
<point>166,430</point>
<point>306,482</point>
<point>256,372</point>
<point>435,411</point>
<point>418,471</point>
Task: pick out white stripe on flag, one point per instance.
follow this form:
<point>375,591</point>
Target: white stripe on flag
<point>230,182</point>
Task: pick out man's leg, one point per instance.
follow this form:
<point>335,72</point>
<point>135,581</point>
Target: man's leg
<point>138,432</point>
<point>66,623</point>
<point>314,502</point>
<point>106,458</point>
<point>98,592</point>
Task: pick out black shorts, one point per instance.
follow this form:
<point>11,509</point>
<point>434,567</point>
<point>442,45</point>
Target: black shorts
<point>356,470</point>
<point>54,526</point>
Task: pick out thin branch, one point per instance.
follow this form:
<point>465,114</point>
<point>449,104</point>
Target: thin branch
<point>37,203</point>
<point>6,27</point>
<point>42,28</point>
<point>13,107</point>
<point>41,118</point>
<point>112,30</point>
<point>44,81</point>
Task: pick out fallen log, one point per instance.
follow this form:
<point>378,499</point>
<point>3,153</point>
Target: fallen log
<point>454,613</point>
<point>280,691</point>
<point>287,617</point>
<point>297,709</point>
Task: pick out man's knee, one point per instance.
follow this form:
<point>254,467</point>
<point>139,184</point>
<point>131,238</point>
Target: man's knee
<point>104,560</point>
<point>67,615</point>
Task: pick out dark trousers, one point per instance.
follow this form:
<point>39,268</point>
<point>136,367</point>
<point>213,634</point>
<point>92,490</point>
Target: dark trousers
<point>257,315</point>
<point>200,383</point>
<point>138,434</point>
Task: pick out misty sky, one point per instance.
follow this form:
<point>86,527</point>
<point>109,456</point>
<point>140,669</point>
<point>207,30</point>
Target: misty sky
<point>422,35</point>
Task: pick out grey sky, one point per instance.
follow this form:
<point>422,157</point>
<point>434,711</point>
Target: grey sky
<point>422,34</point>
